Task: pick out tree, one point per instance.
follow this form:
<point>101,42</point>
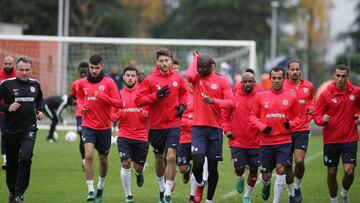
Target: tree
<point>354,33</point>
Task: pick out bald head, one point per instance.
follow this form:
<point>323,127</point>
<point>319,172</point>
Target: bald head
<point>205,65</point>
<point>8,64</point>
<point>248,82</point>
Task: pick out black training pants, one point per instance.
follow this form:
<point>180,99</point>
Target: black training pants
<point>19,151</point>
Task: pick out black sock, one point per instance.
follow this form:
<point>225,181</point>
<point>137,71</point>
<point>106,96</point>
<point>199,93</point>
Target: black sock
<point>213,178</point>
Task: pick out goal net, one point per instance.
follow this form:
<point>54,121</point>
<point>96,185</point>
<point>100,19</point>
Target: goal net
<point>56,59</point>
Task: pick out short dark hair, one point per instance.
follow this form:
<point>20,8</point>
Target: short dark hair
<point>96,59</point>
<point>341,67</point>
<point>205,60</point>
<point>84,65</point>
<point>163,52</point>
<point>24,59</point>
<point>293,60</point>
<point>277,69</point>
<point>175,61</point>
<point>130,68</point>
<point>249,70</point>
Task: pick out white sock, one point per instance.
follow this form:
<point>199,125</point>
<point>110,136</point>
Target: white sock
<point>297,182</point>
<point>241,177</point>
<point>192,185</point>
<point>90,185</point>
<point>208,201</point>
<point>161,183</point>
<point>205,170</point>
<point>248,191</point>
<point>126,180</point>
<point>83,162</point>
<point>343,193</point>
<point>168,186</point>
<point>4,158</point>
<point>280,182</point>
<point>291,189</point>
<point>266,183</point>
<point>101,183</point>
<point>333,200</point>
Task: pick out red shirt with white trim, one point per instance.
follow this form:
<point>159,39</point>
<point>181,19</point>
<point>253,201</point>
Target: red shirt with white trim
<point>214,86</point>
<point>187,121</point>
<point>272,108</point>
<point>132,119</point>
<point>74,90</point>
<point>304,92</point>
<point>162,112</point>
<point>341,106</point>
<point>98,99</point>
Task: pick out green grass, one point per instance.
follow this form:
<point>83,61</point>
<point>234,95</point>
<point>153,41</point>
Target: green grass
<point>57,177</point>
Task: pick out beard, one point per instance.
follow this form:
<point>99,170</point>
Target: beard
<point>130,85</point>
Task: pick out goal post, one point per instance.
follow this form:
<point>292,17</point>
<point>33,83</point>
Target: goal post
<point>56,59</point>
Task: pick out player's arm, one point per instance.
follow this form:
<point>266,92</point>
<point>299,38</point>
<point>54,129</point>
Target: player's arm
<point>191,73</point>
<point>294,119</point>
<point>39,104</point>
<point>225,116</point>
<point>319,115</point>
<point>117,114</point>
<point>72,98</point>
<point>113,96</point>
<point>228,96</point>
<point>255,114</point>
<point>144,96</point>
<point>3,93</point>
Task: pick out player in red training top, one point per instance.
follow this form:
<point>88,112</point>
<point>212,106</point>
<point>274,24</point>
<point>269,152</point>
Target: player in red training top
<point>165,93</point>
<point>84,71</point>
<point>6,72</point>
<point>274,113</point>
<point>132,139</point>
<point>244,139</point>
<point>212,92</point>
<point>336,110</point>
<point>97,94</point>
<point>304,91</point>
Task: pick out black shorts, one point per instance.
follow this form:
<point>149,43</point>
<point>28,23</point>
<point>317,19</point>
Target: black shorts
<point>137,150</point>
<point>242,157</point>
<point>207,141</point>
<point>184,154</point>
<point>300,140</point>
<point>274,154</point>
<point>162,139</point>
<point>347,151</point>
<point>100,138</point>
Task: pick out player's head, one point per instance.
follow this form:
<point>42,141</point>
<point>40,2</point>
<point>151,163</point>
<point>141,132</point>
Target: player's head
<point>294,70</point>
<point>83,69</point>
<point>114,70</point>
<point>277,76</point>
<point>96,65</point>
<point>141,75</point>
<point>249,70</point>
<point>163,60</point>
<point>205,65</point>
<point>130,76</point>
<point>23,70</point>
<point>341,75</point>
<point>176,65</point>
<point>8,64</point>
<point>248,82</point>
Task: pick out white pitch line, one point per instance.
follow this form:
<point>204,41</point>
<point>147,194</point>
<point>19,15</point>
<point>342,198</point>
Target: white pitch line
<point>234,192</point>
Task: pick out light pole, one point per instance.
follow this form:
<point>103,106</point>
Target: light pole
<point>274,6</point>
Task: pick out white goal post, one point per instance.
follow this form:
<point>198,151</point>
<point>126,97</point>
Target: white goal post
<point>56,58</point>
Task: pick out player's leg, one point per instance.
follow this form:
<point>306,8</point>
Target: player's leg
<point>157,140</point>
<point>102,145</point>
<point>183,161</point>
<point>140,151</point>
<point>198,151</point>
<point>125,153</point>
<point>27,144</point>
<point>171,145</point>
<point>283,152</point>
<point>253,161</point>
<point>331,160</point>
<point>268,162</point>
<point>12,144</point>
<point>239,161</point>
<point>89,139</point>
<point>3,149</point>
<point>348,155</point>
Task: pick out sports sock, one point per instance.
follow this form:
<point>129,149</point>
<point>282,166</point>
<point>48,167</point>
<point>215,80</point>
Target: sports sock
<point>168,186</point>
<point>297,183</point>
<point>343,192</point>
<point>291,189</point>
<point>4,158</point>
<point>279,185</point>
<point>192,185</point>
<point>101,183</point>
<point>161,183</point>
<point>213,178</point>
<point>90,185</point>
<point>205,170</point>
<point>266,183</point>
<point>208,201</point>
<point>248,191</point>
<point>126,180</point>
<point>333,200</point>
<point>251,181</point>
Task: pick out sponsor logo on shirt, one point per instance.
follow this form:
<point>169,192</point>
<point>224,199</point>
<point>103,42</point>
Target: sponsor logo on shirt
<point>214,86</point>
<point>132,110</point>
<point>24,99</point>
<point>306,90</point>
<point>275,115</point>
<point>102,88</point>
<point>352,97</point>
<point>334,100</point>
<point>93,98</point>
<point>301,101</point>
<point>266,104</point>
